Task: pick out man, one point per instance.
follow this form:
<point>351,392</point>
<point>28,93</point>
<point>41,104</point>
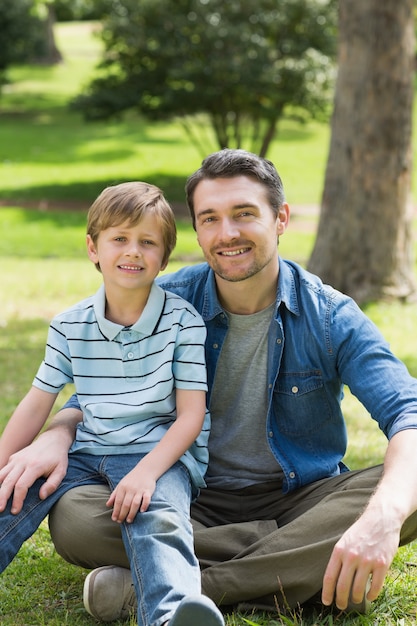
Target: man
<point>281,519</point>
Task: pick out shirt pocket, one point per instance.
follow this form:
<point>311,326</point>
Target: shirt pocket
<point>301,404</point>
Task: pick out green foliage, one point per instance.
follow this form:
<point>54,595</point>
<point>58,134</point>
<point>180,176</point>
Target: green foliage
<point>21,34</point>
<point>69,10</point>
<point>244,64</point>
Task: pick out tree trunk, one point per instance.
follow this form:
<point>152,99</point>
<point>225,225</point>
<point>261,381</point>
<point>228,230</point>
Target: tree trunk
<point>52,54</point>
<point>364,240</point>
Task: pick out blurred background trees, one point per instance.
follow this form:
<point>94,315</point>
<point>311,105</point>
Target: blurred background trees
<point>21,34</point>
<point>241,64</point>
<point>27,29</point>
<point>230,71</point>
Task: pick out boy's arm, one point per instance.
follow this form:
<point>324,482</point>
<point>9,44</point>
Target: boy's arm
<point>134,492</point>
<point>26,422</point>
<point>46,457</point>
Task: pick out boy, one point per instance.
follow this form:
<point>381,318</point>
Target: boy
<point>136,356</point>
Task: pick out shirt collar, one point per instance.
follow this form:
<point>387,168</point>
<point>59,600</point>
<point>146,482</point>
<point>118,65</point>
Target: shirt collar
<point>287,288</point>
<point>286,294</point>
<point>146,323</point>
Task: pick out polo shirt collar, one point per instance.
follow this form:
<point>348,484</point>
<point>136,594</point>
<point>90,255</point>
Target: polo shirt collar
<point>145,325</point>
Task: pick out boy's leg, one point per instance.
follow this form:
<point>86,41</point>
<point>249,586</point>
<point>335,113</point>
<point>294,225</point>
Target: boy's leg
<point>15,529</point>
<point>159,543</point>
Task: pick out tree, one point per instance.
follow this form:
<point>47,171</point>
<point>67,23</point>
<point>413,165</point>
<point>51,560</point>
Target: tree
<point>243,63</point>
<point>364,242</point>
<point>26,34</point>
<point>18,34</point>
<point>46,10</point>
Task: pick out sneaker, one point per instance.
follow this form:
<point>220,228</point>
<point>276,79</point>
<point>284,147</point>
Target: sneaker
<point>197,611</point>
<point>109,593</point>
<point>361,607</point>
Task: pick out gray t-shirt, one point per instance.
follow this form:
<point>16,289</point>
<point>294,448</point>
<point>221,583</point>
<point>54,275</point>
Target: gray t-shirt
<point>239,452</point>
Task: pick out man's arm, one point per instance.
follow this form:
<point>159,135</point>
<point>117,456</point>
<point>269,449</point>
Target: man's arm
<point>46,457</point>
<point>368,547</point>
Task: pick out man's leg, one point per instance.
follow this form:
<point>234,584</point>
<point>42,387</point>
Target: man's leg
<point>241,562</point>
<point>82,529</point>
<point>285,566</point>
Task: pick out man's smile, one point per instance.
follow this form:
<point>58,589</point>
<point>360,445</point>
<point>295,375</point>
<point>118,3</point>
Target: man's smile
<point>233,252</point>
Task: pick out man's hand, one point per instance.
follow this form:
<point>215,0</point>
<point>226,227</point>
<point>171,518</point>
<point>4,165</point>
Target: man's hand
<point>365,552</point>
<point>46,457</point>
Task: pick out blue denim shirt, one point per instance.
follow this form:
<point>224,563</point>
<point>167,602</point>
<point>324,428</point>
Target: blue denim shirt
<point>319,340</point>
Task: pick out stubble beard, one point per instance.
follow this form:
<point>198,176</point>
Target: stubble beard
<point>236,276</point>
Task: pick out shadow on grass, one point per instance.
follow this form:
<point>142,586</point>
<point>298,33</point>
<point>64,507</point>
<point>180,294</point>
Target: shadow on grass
<point>50,126</point>
<point>80,194</point>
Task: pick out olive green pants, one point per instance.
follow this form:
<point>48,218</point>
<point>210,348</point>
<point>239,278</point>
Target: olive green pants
<point>256,546</point>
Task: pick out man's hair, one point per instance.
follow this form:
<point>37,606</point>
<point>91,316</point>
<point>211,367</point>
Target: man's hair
<point>130,202</point>
<point>229,163</point>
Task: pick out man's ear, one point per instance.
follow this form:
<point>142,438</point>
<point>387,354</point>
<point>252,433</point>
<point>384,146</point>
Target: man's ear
<point>283,218</point>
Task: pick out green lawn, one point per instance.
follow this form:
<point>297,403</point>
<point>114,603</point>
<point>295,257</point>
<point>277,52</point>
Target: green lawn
<point>51,161</point>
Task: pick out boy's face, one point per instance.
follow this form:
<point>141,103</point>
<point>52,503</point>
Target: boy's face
<point>129,256</point>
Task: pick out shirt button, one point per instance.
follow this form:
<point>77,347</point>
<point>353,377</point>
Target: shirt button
<point>279,341</point>
<point>270,434</point>
<point>292,474</point>
<point>294,389</point>
<point>215,346</point>
<point>130,355</point>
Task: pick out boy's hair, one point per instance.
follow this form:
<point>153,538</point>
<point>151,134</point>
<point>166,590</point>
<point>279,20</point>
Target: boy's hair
<point>129,202</point>
<point>228,163</point>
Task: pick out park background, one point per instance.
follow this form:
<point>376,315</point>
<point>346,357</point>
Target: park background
<point>53,164</point>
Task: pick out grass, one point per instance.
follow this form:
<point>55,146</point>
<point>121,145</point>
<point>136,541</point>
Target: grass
<point>53,161</point>
<point>49,154</point>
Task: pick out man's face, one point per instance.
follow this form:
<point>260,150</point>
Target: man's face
<point>236,227</point>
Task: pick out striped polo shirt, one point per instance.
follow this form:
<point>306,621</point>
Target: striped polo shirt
<point>125,377</point>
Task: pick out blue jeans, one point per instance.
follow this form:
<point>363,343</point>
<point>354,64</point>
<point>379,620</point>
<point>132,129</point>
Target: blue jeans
<point>158,543</point>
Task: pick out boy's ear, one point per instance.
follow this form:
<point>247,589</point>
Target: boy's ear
<point>91,250</point>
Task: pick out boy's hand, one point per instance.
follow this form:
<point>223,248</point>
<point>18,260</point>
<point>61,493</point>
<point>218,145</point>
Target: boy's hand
<point>131,495</point>
<point>44,458</point>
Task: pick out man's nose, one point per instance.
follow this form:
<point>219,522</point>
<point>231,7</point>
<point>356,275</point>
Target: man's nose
<point>230,229</point>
